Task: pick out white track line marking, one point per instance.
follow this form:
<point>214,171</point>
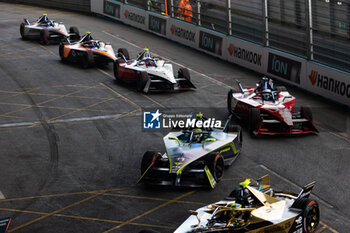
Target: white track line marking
<point>61,121</point>
<point>154,101</point>
<point>2,196</point>
<point>203,75</point>
<point>295,185</point>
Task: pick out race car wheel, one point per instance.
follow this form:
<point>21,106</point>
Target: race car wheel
<point>217,166</point>
<point>44,36</point>
<point>141,81</point>
<point>254,119</point>
<point>75,31</point>
<point>184,73</point>
<point>87,60</point>
<point>115,69</point>
<point>311,213</point>
<point>21,30</point>
<point>61,51</point>
<point>305,112</point>
<point>125,52</point>
<point>148,158</point>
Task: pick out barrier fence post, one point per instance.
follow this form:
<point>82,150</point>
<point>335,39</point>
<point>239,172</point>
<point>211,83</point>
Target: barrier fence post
<point>229,17</point>
<point>172,8</point>
<point>266,23</point>
<point>309,30</point>
<point>199,13</point>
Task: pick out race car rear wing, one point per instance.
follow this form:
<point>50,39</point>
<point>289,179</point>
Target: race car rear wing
<point>305,192</point>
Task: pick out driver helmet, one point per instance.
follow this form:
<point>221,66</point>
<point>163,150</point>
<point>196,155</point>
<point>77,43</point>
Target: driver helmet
<point>266,94</point>
<point>198,135</point>
<point>44,19</point>
<point>245,183</point>
<point>88,37</point>
<point>146,55</point>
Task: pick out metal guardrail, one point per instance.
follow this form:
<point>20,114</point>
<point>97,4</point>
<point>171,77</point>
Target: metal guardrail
<point>313,29</point>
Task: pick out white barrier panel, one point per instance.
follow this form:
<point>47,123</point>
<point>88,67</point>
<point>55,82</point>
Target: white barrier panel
<point>157,24</point>
<point>212,43</point>
<point>135,17</point>
<point>96,6</point>
<point>246,54</point>
<point>327,82</point>
<point>182,32</point>
<point>285,67</point>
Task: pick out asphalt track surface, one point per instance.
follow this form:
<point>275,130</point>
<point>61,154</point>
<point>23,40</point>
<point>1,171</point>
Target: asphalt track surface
<point>71,140</point>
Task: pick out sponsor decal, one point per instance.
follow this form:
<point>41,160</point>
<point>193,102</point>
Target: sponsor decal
<point>284,67</point>
<point>299,220</point>
<point>245,54</point>
<point>151,120</point>
<point>134,17</point>
<point>183,33</point>
<point>4,224</point>
<point>329,84</point>
<point>158,120</point>
<point>210,42</point>
<point>112,9</point>
<point>157,24</point>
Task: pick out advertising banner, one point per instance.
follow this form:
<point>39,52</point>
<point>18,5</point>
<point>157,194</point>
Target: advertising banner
<point>157,24</point>
<point>135,17</point>
<point>327,82</point>
<point>182,32</point>
<point>211,42</point>
<point>284,67</point>
<point>245,54</point>
<point>111,9</point>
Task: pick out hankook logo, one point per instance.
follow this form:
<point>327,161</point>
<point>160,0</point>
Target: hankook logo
<point>183,33</point>
<point>245,54</point>
<point>134,17</point>
<point>329,84</point>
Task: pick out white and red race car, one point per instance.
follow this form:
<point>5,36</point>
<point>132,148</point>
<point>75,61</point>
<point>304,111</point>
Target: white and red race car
<point>150,73</point>
<point>270,110</point>
<point>47,31</point>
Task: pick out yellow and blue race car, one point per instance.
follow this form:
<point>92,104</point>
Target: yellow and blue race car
<point>194,157</point>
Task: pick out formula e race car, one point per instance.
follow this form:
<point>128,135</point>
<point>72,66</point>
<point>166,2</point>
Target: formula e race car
<point>269,109</point>
<point>87,51</point>
<point>257,209</point>
<point>47,31</point>
<point>150,73</point>
<point>194,157</point>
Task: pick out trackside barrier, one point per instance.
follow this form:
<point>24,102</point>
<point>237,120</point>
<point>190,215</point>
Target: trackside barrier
<point>311,76</point>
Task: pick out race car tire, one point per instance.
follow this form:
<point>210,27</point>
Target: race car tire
<point>254,119</point>
<point>21,30</point>
<point>125,52</point>
<point>142,79</point>
<point>216,166</point>
<point>44,36</point>
<point>184,73</point>
<point>74,30</point>
<point>115,69</point>
<point>281,88</point>
<point>311,213</point>
<point>305,112</point>
<point>147,159</point>
<point>61,51</point>
<point>87,60</point>
<point>238,129</point>
<point>229,100</point>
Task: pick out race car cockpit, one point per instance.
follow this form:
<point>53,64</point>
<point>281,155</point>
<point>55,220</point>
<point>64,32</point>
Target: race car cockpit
<point>44,21</point>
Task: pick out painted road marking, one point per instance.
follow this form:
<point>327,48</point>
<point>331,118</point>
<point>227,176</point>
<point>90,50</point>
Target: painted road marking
<point>150,211</point>
<point>32,123</point>
<point>295,185</point>
<point>2,196</point>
